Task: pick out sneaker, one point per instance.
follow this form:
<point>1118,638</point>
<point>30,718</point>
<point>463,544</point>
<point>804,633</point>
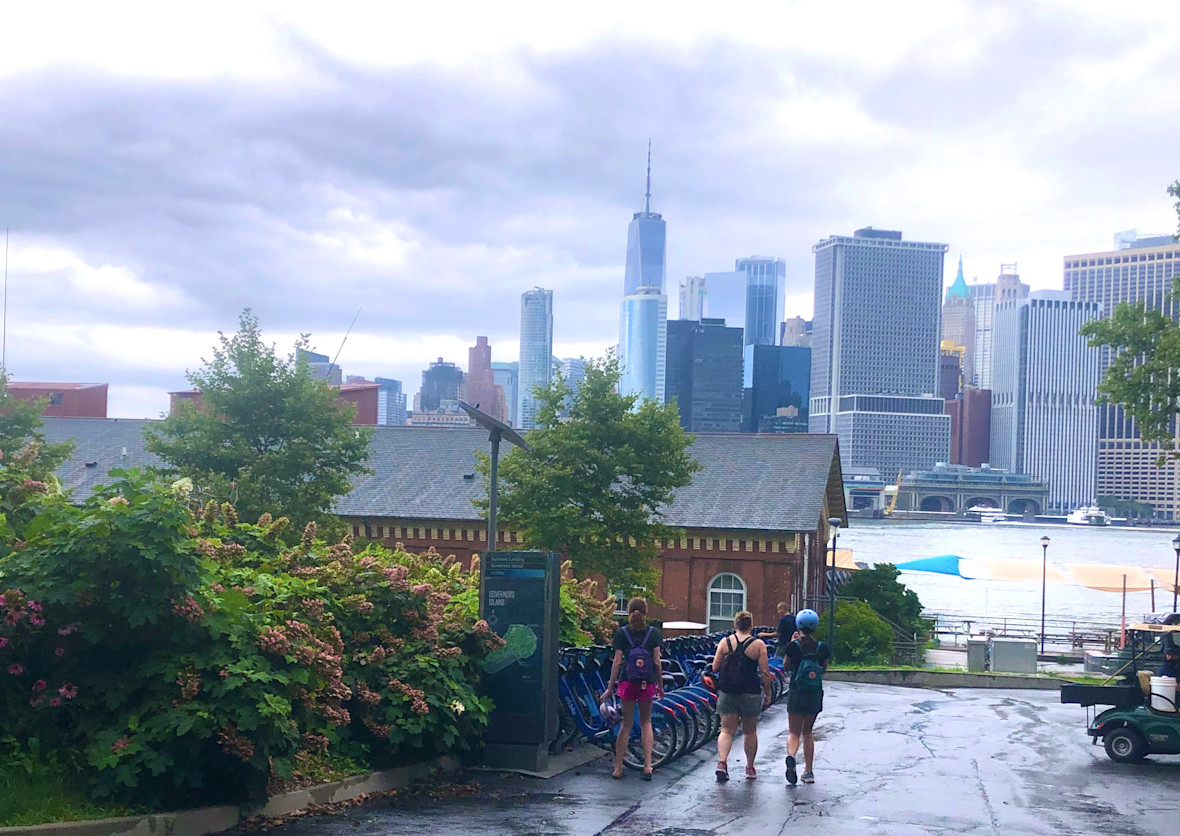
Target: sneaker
<point>808,778</point>
<point>722,772</point>
<point>792,777</point>
<point>751,773</point>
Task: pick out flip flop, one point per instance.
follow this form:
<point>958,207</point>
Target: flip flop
<point>618,777</point>
<point>646,776</point>
<point>751,773</point>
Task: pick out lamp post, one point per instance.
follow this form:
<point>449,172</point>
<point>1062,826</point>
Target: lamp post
<point>1176,579</point>
<point>496,430</point>
<point>834,522</point>
<point>1044,572</point>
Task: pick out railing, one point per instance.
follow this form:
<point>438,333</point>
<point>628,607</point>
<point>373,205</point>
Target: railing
<point>908,647</point>
<point>1062,633</point>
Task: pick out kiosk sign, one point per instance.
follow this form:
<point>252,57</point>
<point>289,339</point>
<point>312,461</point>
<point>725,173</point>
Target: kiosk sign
<point>520,603</point>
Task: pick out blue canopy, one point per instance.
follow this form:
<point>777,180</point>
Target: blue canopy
<point>943,564</point>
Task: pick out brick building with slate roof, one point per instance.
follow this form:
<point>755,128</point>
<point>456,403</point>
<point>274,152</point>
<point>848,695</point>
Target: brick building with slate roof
<point>754,519</point>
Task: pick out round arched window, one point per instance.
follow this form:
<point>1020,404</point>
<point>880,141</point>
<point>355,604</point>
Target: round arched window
<point>727,598</point>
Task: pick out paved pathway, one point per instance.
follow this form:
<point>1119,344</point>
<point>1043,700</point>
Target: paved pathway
<point>890,761</point>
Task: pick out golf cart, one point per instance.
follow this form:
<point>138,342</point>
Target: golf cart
<point>1139,723</point>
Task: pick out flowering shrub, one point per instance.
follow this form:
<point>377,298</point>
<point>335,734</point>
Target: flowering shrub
<point>188,657</point>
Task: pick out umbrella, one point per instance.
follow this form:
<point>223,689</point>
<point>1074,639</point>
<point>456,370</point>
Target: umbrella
<point>684,625</point>
<point>944,564</point>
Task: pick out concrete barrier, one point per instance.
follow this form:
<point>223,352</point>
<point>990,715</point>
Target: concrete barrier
<point>915,678</point>
<point>217,819</point>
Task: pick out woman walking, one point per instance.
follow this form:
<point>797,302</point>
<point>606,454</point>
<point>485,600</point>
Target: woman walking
<point>744,685</point>
<point>639,673</point>
<point>808,660</point>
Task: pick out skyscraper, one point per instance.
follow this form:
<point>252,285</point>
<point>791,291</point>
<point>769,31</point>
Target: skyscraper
<point>391,402</point>
<point>766,280</point>
<point>440,387</point>
<point>1044,380</point>
<point>1139,269</point>
<point>320,366</point>
<point>775,377</point>
<point>795,331</point>
<point>727,297</point>
<point>875,349</point>
<point>573,369</point>
<point>536,351</point>
<point>506,376</point>
<point>958,323</point>
<point>984,298</point>
<point>693,298</point>
<point>480,388</point>
<point>644,311</point>
<point>704,374</point>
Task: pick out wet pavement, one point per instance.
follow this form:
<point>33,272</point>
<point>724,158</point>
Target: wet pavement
<point>888,761</point>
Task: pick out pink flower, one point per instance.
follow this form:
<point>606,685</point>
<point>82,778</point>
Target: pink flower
<point>36,701</point>
<point>121,743</point>
<point>3,600</point>
<point>61,651</point>
<point>54,702</point>
<point>36,620</point>
<point>35,606</point>
<point>3,641</point>
<point>68,691</point>
<point>16,670</point>
<point>40,685</point>
<point>65,630</point>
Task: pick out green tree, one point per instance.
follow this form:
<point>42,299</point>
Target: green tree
<point>1144,372</point>
<point>862,638</point>
<point>266,436</point>
<point>880,589</point>
<point>596,480</point>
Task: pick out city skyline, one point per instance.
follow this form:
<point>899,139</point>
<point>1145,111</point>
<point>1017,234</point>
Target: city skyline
<point>305,168</point>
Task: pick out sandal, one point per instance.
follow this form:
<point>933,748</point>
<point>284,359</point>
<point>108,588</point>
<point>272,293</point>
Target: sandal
<point>751,772</point>
<point>618,776</point>
<point>722,772</point>
<point>645,776</point>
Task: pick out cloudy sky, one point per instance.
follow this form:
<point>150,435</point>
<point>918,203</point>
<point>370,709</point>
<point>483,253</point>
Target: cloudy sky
<point>161,169</point>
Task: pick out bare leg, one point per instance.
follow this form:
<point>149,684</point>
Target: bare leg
<point>808,742</point>
<point>750,738</point>
<point>795,726</point>
<point>729,724</point>
<point>624,738</point>
<point>645,733</point>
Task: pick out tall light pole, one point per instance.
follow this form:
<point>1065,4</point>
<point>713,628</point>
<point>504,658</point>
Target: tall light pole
<point>497,429</point>
<point>1044,572</point>
<point>1176,579</point>
<point>834,522</point>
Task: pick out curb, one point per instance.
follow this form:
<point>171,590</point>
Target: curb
<point>206,820</point>
<point>905,678</point>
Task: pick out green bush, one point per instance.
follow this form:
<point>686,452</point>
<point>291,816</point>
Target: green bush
<point>879,587</point>
<point>862,638</point>
<point>182,657</point>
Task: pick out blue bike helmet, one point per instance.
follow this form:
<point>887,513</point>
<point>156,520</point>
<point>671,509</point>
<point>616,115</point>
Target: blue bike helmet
<point>806,620</point>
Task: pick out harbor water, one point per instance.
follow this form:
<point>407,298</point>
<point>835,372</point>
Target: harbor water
<point>896,541</point>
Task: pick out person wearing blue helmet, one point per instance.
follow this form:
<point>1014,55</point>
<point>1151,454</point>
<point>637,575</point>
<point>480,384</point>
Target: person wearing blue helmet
<point>807,659</point>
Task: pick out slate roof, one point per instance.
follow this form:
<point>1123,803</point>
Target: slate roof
<point>750,482</point>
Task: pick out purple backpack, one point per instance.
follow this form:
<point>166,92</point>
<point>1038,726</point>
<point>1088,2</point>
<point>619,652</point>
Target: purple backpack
<point>639,660</point>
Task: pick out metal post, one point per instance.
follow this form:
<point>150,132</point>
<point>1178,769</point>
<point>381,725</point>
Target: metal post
<point>1176,579</point>
<point>1044,574</point>
<point>834,522</point>
<point>494,491</point>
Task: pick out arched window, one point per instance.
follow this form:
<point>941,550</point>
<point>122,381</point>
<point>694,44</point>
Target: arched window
<point>727,598</point>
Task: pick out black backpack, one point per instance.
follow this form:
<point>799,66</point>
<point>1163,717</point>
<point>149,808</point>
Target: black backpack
<point>731,677</point>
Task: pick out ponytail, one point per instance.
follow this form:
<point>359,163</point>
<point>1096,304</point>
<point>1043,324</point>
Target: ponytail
<point>637,613</point>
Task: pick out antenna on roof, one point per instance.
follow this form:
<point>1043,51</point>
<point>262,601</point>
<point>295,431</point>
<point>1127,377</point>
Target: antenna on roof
<point>4,336</point>
<point>343,341</point>
<point>647,196</point>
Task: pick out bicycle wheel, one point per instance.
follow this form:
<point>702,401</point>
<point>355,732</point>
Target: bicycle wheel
<point>665,743</point>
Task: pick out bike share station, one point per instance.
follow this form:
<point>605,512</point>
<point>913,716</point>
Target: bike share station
<point>520,598</point>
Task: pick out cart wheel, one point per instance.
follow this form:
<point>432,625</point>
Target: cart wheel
<point>1125,745</point>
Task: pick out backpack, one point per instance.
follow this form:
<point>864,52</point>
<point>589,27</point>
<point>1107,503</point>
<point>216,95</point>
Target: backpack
<point>809,675</point>
<point>639,660</point>
<point>731,677</point>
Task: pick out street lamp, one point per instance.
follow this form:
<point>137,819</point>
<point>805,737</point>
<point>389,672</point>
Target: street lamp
<point>1176,579</point>
<point>497,429</point>
<point>834,522</point>
<point>1044,570</point>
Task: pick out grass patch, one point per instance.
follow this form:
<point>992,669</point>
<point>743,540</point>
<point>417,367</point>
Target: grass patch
<point>39,790</point>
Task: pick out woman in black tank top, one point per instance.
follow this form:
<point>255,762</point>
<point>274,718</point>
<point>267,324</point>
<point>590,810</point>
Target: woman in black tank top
<point>745,697</point>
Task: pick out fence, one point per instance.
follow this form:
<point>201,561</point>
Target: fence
<point>1060,633</point>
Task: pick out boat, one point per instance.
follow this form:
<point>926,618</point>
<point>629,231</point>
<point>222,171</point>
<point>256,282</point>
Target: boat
<point>988,514</point>
<point>1090,515</point>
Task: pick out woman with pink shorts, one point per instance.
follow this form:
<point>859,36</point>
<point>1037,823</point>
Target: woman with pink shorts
<point>637,664</point>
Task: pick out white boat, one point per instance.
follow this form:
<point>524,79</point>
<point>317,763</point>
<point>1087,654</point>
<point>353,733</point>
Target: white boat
<point>1090,515</point>
<point>988,514</point>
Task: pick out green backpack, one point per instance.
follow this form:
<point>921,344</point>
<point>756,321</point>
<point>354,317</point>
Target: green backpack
<point>809,675</point>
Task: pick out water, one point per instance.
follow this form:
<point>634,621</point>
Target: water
<point>893,541</point>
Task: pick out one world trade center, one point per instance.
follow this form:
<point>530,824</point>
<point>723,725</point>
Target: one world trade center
<point>644,315</point>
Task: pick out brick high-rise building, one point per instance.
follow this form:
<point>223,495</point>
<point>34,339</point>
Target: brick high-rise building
<point>480,388</point>
<point>970,427</point>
